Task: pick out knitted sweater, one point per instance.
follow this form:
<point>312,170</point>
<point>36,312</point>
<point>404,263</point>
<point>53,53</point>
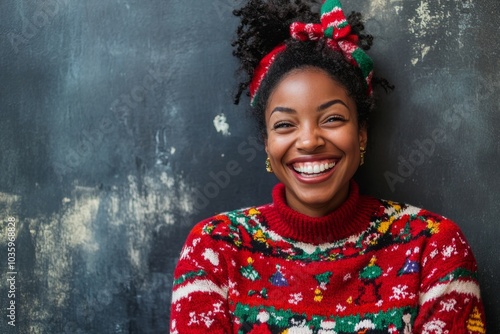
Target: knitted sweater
<point>371,266</point>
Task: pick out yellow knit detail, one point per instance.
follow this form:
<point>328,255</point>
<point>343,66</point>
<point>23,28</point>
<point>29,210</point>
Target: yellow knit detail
<point>253,212</point>
<point>318,295</point>
<point>433,226</point>
<point>474,323</point>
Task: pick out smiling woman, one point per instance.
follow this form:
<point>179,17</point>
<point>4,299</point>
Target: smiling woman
<point>321,258</point>
<point>313,140</point>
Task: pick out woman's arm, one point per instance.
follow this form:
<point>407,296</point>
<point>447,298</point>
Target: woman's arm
<point>450,300</point>
<point>199,296</point>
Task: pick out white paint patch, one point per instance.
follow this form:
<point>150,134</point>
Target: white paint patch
<point>113,209</point>
<point>221,124</point>
<point>54,238</point>
<point>381,9</point>
<point>211,256</point>
<point>431,25</point>
<point>8,199</point>
<point>9,204</point>
<point>377,6</point>
<point>162,148</point>
<point>76,223</point>
<point>96,225</point>
<point>420,25</point>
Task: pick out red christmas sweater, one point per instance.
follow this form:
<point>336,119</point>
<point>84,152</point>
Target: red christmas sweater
<point>371,266</point>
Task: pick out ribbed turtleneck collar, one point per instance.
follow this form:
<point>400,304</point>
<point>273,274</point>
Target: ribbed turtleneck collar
<point>351,218</point>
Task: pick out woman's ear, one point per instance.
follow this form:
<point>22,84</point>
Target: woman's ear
<point>265,146</point>
<point>363,136</point>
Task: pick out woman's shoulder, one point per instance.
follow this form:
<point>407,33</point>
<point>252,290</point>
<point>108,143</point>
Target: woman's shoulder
<point>402,215</point>
<point>230,223</point>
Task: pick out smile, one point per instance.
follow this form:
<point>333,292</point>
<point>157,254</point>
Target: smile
<point>313,168</point>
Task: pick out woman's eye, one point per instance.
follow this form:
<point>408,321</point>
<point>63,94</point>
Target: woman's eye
<point>336,118</point>
<point>282,125</point>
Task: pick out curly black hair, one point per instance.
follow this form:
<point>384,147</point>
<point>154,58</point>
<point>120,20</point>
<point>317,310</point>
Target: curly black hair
<point>266,24</point>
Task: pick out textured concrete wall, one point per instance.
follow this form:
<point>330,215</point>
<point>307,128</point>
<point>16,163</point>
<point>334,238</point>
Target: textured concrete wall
<point>117,134</point>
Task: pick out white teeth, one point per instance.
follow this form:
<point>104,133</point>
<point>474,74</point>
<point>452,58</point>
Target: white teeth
<point>314,169</point>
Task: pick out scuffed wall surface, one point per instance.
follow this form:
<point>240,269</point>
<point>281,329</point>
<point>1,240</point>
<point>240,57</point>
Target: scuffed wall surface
<point>118,134</point>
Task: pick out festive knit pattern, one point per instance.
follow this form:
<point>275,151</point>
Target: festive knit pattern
<point>371,266</point>
<point>337,32</point>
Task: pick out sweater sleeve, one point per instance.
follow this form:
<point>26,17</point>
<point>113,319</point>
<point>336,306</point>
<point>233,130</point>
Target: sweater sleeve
<point>200,288</point>
<point>450,300</point>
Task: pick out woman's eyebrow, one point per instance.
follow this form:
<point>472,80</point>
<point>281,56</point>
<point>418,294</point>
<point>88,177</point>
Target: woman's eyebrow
<point>283,109</point>
<point>330,103</point>
<point>322,107</point>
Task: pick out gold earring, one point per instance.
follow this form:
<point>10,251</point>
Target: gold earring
<point>268,166</point>
<point>362,151</point>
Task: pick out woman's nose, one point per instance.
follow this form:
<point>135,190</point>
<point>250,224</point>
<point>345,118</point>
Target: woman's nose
<point>309,139</point>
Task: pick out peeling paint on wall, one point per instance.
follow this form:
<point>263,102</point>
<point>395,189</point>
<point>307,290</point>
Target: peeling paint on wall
<point>466,20</point>
<point>383,8</point>
<point>379,6</point>
<point>8,199</point>
<point>420,25</point>
<point>105,237</point>
<point>433,23</point>
<point>221,124</point>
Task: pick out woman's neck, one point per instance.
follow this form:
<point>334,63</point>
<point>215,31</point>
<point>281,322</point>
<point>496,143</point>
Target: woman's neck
<point>350,218</point>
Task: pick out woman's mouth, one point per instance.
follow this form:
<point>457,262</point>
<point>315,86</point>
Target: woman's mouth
<point>313,168</point>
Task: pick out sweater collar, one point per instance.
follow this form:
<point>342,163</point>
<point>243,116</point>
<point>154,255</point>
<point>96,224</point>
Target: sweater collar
<point>351,218</point>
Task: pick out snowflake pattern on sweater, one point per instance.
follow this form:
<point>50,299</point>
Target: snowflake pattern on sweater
<point>372,266</point>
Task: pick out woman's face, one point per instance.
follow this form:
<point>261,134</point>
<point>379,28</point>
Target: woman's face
<point>313,140</point>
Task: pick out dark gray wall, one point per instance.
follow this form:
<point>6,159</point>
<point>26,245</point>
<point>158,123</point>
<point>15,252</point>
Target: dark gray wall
<point>109,150</point>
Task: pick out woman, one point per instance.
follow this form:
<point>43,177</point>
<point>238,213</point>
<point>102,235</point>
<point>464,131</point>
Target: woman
<point>321,258</point>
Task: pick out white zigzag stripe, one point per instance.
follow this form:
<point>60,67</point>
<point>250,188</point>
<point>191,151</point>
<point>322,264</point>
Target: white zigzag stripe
<point>335,23</point>
<point>469,288</point>
<point>334,10</point>
<point>205,286</point>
